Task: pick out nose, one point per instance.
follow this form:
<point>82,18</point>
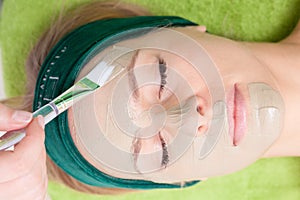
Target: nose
<point>202,112</point>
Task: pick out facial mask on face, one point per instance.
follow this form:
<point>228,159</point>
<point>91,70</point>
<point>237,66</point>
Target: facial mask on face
<point>183,124</point>
<point>111,138</point>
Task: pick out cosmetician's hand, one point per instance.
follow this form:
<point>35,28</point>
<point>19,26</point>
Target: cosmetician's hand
<point>23,173</point>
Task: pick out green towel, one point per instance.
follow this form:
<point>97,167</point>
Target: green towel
<point>23,21</point>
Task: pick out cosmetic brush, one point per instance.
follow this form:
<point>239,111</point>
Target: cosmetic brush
<point>99,76</point>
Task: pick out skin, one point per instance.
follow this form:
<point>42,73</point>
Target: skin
<point>283,60</point>
<point>269,60</point>
<point>276,57</point>
<point>23,173</point>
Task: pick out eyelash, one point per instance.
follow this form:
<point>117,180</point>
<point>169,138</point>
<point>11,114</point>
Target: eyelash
<point>165,154</point>
<point>163,75</point>
<point>136,148</point>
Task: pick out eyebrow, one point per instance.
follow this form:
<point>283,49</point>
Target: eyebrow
<point>131,77</point>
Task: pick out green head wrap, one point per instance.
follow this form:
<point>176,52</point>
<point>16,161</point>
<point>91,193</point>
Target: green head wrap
<point>58,73</point>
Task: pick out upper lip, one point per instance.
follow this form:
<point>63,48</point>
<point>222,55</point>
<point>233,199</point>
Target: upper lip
<point>236,115</point>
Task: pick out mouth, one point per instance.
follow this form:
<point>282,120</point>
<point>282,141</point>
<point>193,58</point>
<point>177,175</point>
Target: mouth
<point>236,115</point>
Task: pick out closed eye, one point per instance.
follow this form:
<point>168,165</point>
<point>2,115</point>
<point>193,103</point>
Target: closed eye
<point>136,143</point>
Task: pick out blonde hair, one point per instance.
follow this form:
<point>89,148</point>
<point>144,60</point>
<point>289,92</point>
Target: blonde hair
<point>67,21</point>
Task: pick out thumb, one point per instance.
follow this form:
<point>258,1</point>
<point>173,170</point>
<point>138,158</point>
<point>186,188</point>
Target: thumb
<point>26,153</point>
<point>11,119</point>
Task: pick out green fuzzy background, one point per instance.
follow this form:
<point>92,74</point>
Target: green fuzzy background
<point>23,21</point>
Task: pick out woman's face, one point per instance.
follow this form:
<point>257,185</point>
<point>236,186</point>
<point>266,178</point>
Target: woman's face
<point>185,109</point>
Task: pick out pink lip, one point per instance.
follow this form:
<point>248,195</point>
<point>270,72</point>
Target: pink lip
<point>236,115</point>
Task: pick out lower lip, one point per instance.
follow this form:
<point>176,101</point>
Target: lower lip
<point>237,115</point>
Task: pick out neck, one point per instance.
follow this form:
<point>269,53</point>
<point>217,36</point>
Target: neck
<point>283,62</point>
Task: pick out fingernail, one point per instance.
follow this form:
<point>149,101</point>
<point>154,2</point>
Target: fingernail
<point>41,121</point>
<point>22,116</point>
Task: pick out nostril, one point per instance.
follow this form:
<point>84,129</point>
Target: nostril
<point>200,110</point>
<point>202,129</point>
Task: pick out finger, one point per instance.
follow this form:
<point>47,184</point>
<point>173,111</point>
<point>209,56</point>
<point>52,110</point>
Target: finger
<point>21,160</point>
<point>29,186</point>
<point>13,119</point>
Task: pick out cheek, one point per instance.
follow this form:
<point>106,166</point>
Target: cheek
<point>189,76</point>
<point>197,82</point>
